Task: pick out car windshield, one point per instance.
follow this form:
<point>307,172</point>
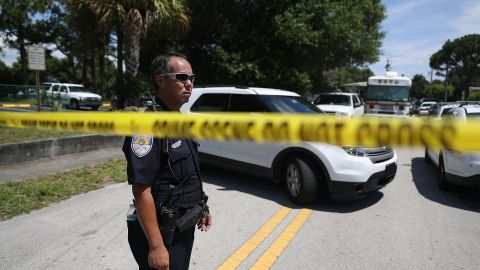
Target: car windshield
<point>77,89</point>
<point>388,93</point>
<point>288,104</point>
<point>333,100</point>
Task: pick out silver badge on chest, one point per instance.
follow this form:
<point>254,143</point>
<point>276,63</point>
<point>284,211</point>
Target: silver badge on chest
<point>176,144</point>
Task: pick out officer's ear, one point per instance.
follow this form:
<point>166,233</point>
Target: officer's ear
<point>159,79</point>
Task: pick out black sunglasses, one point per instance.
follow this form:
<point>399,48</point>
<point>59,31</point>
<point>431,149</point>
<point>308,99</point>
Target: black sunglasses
<point>181,77</point>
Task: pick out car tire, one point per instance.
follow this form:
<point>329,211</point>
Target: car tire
<point>94,108</point>
<point>300,180</point>
<point>442,182</point>
<point>427,158</point>
<point>74,104</point>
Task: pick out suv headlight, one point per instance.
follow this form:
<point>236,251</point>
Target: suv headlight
<point>81,98</point>
<point>354,150</point>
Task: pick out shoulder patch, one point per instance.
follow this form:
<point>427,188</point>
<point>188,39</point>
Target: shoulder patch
<point>141,144</point>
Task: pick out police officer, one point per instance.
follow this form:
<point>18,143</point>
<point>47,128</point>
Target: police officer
<point>164,175</point>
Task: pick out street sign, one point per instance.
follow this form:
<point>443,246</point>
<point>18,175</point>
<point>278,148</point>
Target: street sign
<point>36,58</point>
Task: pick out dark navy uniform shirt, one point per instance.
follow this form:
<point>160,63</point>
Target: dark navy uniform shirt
<point>160,162</point>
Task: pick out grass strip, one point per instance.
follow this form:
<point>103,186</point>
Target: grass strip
<point>37,192</point>
<point>15,135</point>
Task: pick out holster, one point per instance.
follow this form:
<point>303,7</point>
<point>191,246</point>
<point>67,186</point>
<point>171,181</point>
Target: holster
<point>167,218</point>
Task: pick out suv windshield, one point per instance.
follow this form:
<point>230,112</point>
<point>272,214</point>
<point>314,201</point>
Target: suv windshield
<point>288,104</point>
<point>333,100</point>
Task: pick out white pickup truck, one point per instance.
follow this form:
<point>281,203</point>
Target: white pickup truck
<point>73,96</point>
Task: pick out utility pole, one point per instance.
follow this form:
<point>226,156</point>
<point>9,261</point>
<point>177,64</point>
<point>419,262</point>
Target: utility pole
<point>446,83</point>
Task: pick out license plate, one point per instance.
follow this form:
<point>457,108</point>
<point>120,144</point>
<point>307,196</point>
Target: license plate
<point>386,107</point>
<point>390,169</point>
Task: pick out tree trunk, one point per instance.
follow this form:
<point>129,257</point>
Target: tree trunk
<point>132,48</point>
<point>119,52</point>
<point>92,68</point>
<point>84,69</point>
<point>23,56</point>
<point>101,72</point>
<point>72,65</point>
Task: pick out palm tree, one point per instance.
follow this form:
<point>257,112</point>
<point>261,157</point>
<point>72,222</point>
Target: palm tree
<point>131,19</point>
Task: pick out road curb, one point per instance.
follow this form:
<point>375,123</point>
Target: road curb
<point>14,153</point>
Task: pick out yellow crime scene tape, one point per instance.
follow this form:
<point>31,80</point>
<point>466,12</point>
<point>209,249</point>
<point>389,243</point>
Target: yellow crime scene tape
<point>261,128</point>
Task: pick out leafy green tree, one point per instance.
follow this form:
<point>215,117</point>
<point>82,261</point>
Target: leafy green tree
<point>419,84</point>
<point>17,26</point>
<point>474,96</point>
<point>282,43</point>
<point>437,90</point>
<point>460,58</point>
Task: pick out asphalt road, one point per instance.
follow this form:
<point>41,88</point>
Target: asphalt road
<point>408,225</point>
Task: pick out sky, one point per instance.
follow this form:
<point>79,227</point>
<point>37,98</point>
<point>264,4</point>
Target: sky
<point>415,29</point>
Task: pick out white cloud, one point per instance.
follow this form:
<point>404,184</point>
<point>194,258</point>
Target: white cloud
<point>404,7</point>
<point>468,20</point>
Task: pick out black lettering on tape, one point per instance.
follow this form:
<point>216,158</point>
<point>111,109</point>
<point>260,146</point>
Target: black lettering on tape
<point>48,123</point>
<point>447,135</point>
<point>28,122</point>
<point>314,132</point>
<point>405,128</point>
<point>427,132</point>
<point>273,132</point>
<point>364,131</point>
<point>384,134</point>
<point>338,132</point>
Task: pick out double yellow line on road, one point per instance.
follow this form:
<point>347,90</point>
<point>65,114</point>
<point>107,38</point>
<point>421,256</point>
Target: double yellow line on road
<point>276,248</point>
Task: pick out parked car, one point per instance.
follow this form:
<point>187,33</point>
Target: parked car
<point>415,105</point>
<point>348,104</point>
<point>73,96</point>
<point>443,108</point>
<point>461,168</point>
<point>425,107</point>
<point>305,168</point>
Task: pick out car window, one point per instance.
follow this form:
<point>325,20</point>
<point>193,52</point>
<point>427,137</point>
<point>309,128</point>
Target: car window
<point>63,89</point>
<point>55,87</point>
<point>288,104</point>
<point>246,103</point>
<point>211,103</point>
<point>356,101</point>
<point>77,89</point>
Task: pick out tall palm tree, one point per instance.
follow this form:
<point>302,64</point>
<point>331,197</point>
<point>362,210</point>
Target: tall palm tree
<point>131,19</point>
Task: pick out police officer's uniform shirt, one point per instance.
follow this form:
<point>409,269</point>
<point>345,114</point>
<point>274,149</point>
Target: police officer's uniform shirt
<point>148,164</point>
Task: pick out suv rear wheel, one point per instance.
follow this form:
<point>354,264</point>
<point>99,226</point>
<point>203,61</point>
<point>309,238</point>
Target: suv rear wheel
<point>300,180</point>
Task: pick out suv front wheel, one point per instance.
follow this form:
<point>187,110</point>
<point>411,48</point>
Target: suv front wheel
<point>300,180</point>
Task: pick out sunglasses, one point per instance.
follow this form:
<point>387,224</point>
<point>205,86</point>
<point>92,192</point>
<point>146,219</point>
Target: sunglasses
<point>181,77</point>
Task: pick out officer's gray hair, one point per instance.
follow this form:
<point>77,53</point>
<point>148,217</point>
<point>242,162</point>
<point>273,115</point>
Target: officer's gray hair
<point>162,64</point>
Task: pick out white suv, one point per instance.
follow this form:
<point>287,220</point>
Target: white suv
<point>306,168</point>
<point>461,168</point>
<point>338,103</point>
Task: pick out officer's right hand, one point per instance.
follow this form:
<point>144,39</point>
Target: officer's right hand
<point>158,258</point>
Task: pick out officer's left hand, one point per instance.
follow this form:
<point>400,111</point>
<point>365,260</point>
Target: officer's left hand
<point>205,223</point>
